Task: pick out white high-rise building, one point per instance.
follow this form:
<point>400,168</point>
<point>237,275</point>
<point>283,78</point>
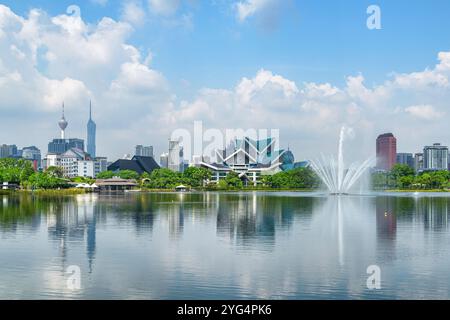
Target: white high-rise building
<point>164,160</point>
<point>435,157</point>
<point>176,162</point>
<point>76,163</point>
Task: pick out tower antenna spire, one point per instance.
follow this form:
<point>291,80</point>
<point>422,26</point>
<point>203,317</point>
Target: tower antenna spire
<point>62,123</point>
<point>90,109</point>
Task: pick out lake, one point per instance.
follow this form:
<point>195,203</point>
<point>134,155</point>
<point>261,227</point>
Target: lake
<point>255,245</point>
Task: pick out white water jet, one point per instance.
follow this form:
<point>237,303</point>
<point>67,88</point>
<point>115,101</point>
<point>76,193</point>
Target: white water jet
<point>334,175</point>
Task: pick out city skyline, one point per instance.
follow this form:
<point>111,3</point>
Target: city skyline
<point>143,91</point>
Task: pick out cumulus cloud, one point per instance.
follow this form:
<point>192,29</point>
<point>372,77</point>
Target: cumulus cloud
<point>248,8</point>
<point>133,12</point>
<point>45,60</point>
<point>267,13</point>
<point>426,112</point>
<point>164,7</point>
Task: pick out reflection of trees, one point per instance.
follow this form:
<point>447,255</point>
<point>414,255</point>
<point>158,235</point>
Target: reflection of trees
<point>252,217</point>
<point>24,209</point>
<point>431,211</point>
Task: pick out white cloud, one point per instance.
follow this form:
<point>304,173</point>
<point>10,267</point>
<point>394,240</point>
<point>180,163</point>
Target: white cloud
<point>248,8</point>
<point>164,7</point>
<point>45,60</point>
<point>426,112</point>
<point>133,13</point>
<point>100,2</point>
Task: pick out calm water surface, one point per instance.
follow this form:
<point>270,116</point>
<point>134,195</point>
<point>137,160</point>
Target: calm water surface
<point>225,246</point>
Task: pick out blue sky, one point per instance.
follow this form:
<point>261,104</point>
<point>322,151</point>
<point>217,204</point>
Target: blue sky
<point>203,44</point>
<point>322,41</point>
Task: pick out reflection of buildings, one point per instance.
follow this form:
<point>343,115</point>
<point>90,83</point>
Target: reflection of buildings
<point>248,218</point>
<point>435,213</point>
<point>68,223</point>
<point>175,215</point>
<point>386,218</point>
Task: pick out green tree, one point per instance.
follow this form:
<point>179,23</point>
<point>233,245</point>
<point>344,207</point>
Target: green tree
<point>106,175</point>
<point>56,172</point>
<point>15,170</point>
<point>128,174</point>
<point>196,177</point>
<point>399,175</point>
<point>163,179</point>
<point>299,178</point>
<point>46,180</point>
<point>232,180</point>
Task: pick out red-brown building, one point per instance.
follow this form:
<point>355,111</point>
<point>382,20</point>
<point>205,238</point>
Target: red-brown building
<point>386,151</point>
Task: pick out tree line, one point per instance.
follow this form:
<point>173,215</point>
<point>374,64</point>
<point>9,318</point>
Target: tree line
<point>21,172</point>
<point>405,178</point>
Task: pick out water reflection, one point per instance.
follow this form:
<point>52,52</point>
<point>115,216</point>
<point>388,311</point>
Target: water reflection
<point>223,245</point>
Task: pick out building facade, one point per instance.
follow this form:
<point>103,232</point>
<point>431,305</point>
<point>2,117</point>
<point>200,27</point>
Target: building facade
<point>251,160</point>
<point>164,160</point>
<point>76,163</point>
<point>386,149</point>
<point>33,154</point>
<point>175,160</point>
<point>435,157</point>
<point>144,151</point>
<point>59,146</point>
<point>418,162</point>
<point>91,134</point>
<point>405,159</point>
<point>8,151</point>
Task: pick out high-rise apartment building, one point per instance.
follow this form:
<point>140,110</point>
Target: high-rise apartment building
<point>406,159</point>
<point>176,162</point>
<point>435,157</point>
<point>144,151</point>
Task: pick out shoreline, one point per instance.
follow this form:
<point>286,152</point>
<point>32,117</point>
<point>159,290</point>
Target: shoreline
<point>72,191</point>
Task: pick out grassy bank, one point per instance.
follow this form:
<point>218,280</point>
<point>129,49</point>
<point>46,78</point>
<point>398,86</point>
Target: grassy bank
<point>249,189</point>
<point>55,192</point>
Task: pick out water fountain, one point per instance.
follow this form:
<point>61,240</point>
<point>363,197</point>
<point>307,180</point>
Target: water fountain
<point>334,175</point>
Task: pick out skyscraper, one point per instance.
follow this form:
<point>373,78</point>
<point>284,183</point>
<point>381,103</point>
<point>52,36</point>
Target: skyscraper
<point>418,162</point>
<point>386,151</point>
<point>144,151</point>
<point>91,132</point>
<point>176,162</point>
<point>435,157</point>
<point>164,160</point>
<point>405,158</point>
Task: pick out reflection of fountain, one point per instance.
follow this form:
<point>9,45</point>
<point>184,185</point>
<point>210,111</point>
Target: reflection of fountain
<point>333,173</point>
